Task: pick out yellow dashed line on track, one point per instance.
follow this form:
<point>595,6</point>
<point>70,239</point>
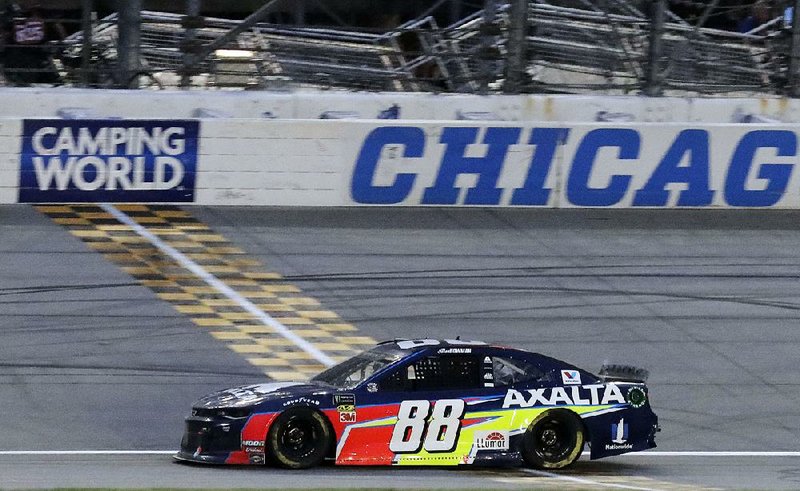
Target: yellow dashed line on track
<point>210,309</point>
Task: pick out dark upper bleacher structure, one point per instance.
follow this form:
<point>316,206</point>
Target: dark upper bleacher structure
<point>597,46</point>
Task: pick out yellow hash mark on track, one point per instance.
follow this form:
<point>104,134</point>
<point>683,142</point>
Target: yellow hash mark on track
<point>208,308</point>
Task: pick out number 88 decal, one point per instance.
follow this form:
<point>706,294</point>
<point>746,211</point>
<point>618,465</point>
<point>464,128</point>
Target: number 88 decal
<point>410,435</point>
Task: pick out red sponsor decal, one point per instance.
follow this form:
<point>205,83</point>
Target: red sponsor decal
<point>256,428</point>
<point>240,457</point>
<point>366,446</point>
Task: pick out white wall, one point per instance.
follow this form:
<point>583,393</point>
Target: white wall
<point>46,103</point>
<point>9,159</point>
<point>420,163</point>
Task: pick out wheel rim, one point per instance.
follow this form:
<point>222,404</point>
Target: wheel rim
<point>298,438</point>
<point>553,441</point>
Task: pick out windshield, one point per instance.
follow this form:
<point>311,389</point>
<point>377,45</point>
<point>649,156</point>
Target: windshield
<point>353,371</point>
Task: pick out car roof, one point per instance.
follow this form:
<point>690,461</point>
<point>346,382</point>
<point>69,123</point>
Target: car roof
<point>425,343</point>
<point>409,347</point>
<point>453,346</point>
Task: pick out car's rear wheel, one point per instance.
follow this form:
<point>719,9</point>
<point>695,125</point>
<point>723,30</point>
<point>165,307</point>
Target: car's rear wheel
<point>553,440</point>
<point>299,438</point>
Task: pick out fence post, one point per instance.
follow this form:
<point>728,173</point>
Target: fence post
<point>129,43</point>
<point>3,81</point>
<point>488,53</point>
<point>516,63</point>
<point>794,55</point>
<point>654,77</point>
<point>455,11</point>
<point>190,46</point>
<point>86,47</point>
<point>300,12</point>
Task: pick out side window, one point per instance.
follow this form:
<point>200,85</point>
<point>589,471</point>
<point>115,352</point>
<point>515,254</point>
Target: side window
<point>445,372</point>
<point>508,371</point>
<point>394,381</point>
<point>437,372</point>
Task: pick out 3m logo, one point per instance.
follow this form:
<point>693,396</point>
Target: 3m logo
<point>571,377</point>
<point>491,440</point>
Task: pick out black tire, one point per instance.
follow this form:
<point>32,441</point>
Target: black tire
<point>554,440</point>
<point>299,438</point>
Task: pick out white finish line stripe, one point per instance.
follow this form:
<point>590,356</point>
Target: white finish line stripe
<point>219,285</point>
<point>585,482</point>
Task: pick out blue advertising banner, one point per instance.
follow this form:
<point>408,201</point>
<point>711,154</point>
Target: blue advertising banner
<point>583,165</point>
<point>133,161</point>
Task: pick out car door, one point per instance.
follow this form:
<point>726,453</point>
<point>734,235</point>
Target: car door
<point>414,413</point>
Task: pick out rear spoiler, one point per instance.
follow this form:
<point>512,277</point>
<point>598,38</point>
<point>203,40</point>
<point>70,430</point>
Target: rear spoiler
<point>623,373</point>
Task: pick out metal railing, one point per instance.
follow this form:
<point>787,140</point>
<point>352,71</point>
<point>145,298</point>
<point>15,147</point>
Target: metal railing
<point>598,46</point>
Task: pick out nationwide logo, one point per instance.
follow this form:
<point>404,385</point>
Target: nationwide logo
<point>619,431</point>
<point>571,377</point>
<point>108,160</point>
<point>619,436</point>
<point>584,395</point>
<point>491,440</point>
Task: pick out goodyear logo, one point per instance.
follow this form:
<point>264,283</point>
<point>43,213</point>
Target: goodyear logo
<point>108,160</point>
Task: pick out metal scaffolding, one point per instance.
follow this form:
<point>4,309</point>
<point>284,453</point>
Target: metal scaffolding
<point>511,46</point>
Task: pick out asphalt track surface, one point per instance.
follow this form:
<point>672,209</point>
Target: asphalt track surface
<point>707,300</point>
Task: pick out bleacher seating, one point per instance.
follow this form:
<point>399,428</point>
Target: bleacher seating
<point>599,46</point>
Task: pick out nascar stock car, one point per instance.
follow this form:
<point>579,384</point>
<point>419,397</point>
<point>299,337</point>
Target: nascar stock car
<point>427,402</point>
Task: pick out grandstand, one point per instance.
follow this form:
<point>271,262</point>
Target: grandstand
<point>598,46</point>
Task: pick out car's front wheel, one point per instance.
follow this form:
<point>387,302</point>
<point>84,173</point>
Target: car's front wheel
<point>554,440</point>
<point>299,438</point>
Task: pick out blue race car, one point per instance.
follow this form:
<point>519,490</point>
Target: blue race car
<point>428,402</point>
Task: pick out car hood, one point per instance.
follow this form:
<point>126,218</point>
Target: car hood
<point>250,395</point>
